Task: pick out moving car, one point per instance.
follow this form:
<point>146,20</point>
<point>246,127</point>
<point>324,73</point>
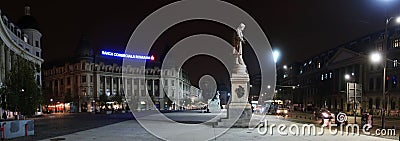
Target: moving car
<point>282,111</point>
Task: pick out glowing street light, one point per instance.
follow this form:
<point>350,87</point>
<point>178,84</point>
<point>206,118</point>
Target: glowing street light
<point>347,76</point>
<point>276,54</point>
<point>375,57</point>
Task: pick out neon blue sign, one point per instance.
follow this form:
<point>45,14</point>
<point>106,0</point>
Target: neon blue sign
<point>124,55</point>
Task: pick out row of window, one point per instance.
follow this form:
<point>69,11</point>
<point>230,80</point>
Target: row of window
<point>376,83</point>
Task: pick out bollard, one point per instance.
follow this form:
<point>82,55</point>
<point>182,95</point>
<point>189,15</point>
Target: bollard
<point>3,135</point>
<point>26,129</point>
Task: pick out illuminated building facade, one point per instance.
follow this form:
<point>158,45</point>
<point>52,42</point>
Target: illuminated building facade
<point>88,75</point>
<point>321,79</point>
<point>19,41</point>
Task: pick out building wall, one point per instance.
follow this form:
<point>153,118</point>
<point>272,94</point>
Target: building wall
<point>13,46</point>
<point>86,81</point>
<point>321,78</point>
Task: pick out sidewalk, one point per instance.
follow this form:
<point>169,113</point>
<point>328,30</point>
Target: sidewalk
<point>132,130</point>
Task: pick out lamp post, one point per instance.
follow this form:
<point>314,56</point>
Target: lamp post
<point>377,57</point>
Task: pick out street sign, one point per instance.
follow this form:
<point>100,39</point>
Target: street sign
<point>354,90</point>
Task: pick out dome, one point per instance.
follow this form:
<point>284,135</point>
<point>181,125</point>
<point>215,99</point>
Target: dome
<point>27,21</point>
<point>84,49</point>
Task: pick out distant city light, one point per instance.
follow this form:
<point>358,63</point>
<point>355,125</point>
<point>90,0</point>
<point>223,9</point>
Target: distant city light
<point>124,55</point>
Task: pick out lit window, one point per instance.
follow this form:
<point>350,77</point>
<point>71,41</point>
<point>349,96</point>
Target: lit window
<point>396,43</point>
<point>25,39</point>
<point>319,65</point>
<point>326,76</point>
<point>379,46</point>
<point>310,62</point>
<point>395,63</point>
<point>330,75</point>
<point>322,77</point>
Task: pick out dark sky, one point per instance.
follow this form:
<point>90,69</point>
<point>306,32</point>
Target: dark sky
<point>298,28</point>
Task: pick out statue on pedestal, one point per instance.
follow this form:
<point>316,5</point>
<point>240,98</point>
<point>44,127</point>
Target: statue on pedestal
<point>238,40</point>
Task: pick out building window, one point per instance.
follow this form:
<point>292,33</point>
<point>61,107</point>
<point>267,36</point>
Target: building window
<point>38,79</point>
<point>37,54</point>
<point>330,75</point>
<point>322,77</point>
<point>378,83</point>
<point>319,65</point>
<point>83,79</point>
<point>396,43</point>
<point>377,103</point>
<point>393,104</point>
<point>37,43</point>
<point>379,46</point>
<point>395,63</point>
<point>68,81</point>
<point>91,79</point>
<point>25,39</point>
<point>371,84</point>
<point>62,81</point>
<point>394,81</point>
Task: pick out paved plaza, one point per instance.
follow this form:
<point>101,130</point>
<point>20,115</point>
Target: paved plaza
<point>132,130</point>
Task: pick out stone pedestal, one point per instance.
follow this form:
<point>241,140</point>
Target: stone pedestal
<point>239,110</point>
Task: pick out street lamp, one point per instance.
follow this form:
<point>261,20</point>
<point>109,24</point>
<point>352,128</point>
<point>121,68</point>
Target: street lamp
<point>276,54</point>
<point>377,57</point>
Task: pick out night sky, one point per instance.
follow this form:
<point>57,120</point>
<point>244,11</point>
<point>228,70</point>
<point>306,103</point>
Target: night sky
<point>299,29</point>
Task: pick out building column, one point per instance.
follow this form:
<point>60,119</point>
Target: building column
<point>111,85</point>
<point>105,85</point>
<point>125,85</point>
<point>119,85</point>
<point>7,60</point>
<point>96,85</point>
<point>2,63</point>
<point>161,94</point>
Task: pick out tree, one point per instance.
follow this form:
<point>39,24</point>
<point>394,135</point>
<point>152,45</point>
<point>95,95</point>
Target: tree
<point>117,98</point>
<point>103,100</point>
<point>20,92</point>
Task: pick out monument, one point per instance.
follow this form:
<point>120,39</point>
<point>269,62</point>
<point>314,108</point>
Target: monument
<point>238,108</point>
<point>214,104</point>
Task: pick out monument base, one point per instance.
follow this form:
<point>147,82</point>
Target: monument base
<point>239,115</point>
